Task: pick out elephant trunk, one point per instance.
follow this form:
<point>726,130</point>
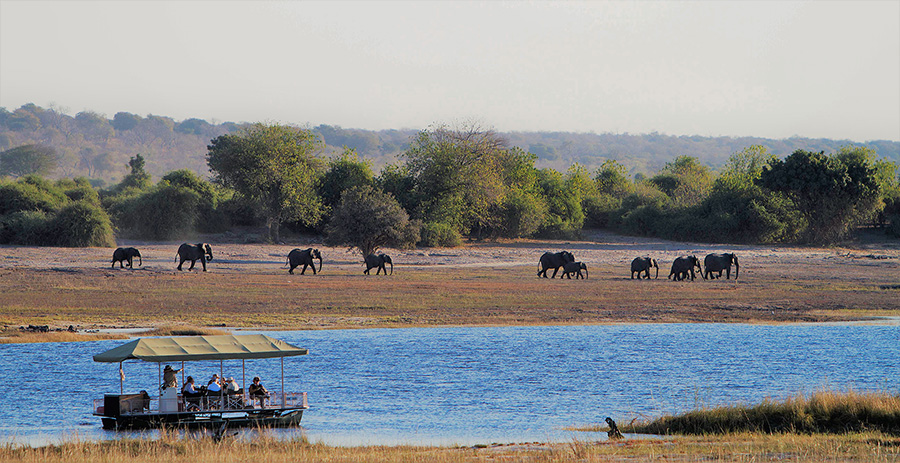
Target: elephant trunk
<point>392,267</point>
<point>320,263</point>
<point>737,268</point>
<point>585,273</point>
<point>141,264</point>
<point>657,271</point>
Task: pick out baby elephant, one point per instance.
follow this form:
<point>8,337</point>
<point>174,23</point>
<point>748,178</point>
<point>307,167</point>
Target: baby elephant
<point>126,254</point>
<point>576,268</point>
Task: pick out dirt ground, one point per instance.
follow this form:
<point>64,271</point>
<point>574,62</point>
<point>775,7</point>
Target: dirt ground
<point>484,283</point>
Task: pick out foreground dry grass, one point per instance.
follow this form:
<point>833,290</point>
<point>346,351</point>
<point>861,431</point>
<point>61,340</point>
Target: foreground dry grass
<point>484,284</point>
<point>870,447</point>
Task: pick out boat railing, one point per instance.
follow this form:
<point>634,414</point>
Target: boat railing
<point>135,404</point>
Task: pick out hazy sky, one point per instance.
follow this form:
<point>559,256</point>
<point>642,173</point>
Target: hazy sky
<point>759,68</point>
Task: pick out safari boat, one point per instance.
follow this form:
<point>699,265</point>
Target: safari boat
<point>169,407</point>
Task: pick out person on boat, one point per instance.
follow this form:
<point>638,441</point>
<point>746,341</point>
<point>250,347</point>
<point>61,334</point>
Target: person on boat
<point>258,391</point>
<point>232,387</point>
<point>213,391</point>
<point>191,394</point>
<point>234,393</point>
<point>170,379</point>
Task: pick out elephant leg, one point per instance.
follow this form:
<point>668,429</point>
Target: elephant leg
<point>313,265</point>
<point>193,263</point>
<point>554,272</point>
<point>291,270</point>
<point>303,270</point>
<point>203,261</point>
<point>180,263</point>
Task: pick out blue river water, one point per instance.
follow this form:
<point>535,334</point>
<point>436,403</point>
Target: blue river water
<point>476,385</point>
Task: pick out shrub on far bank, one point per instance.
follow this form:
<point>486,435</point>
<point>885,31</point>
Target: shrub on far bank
<point>81,224</point>
<point>438,234</point>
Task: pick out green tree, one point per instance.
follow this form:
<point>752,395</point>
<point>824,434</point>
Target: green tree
<point>28,160</point>
<point>611,179</point>
<point>276,168</point>
<point>345,171</point>
<point>367,219</point>
<point>684,180</point>
<point>564,215</point>
<point>830,192</point>
<point>457,176</point>
<point>138,178</point>
<point>123,121</point>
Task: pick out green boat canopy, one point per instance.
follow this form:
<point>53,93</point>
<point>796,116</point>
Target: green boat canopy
<point>188,348</point>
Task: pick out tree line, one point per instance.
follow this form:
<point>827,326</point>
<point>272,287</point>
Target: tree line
<point>452,183</point>
<point>92,145</point>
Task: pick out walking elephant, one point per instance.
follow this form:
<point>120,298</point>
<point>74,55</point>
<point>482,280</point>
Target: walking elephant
<point>684,265</point>
<point>576,268</point>
<point>643,265</point>
<point>126,254</point>
<point>718,262</point>
<point>193,253</point>
<point>298,257</point>
<point>378,260</point>
<point>555,261</point>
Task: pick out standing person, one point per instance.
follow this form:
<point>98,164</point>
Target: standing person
<point>169,377</point>
<point>258,391</point>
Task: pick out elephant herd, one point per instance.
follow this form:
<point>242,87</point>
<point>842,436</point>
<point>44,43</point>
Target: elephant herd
<point>203,253</point>
<point>682,267</point>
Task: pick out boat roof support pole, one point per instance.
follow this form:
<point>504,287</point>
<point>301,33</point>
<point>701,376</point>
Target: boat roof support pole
<point>182,372</point>
<point>159,377</point>
<point>282,382</point>
<point>222,384</point>
<point>121,379</point>
<point>244,376</point>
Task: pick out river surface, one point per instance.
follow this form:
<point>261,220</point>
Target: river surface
<point>471,386</point>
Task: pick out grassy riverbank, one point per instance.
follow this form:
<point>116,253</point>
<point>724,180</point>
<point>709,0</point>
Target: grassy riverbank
<point>818,413</point>
<point>865,447</point>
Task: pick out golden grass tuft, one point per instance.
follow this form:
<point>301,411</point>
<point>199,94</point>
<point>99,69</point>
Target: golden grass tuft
<point>23,337</point>
<point>184,330</point>
<point>821,412</point>
<point>199,448</point>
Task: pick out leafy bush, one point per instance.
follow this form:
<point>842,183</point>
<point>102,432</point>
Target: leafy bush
<point>81,224</point>
<point>79,189</point>
<point>25,227</point>
<point>600,210</point>
<point>520,214</point>
<point>437,234</point>
<point>30,194</point>
<point>164,213</point>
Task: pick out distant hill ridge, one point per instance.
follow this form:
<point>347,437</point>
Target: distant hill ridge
<point>95,146</point>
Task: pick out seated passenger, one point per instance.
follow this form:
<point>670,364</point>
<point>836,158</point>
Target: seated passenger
<point>191,394</point>
<point>258,391</point>
<point>214,386</point>
<point>231,387</point>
